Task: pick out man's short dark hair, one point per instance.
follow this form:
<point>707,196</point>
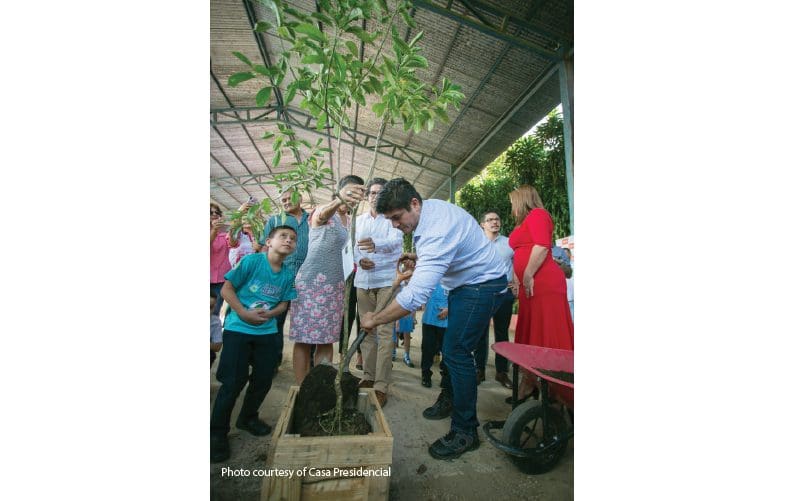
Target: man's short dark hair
<point>378,180</point>
<point>483,216</point>
<point>281,227</point>
<point>350,180</point>
<point>396,194</point>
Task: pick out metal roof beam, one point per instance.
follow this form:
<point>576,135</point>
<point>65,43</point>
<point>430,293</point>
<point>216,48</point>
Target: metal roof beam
<point>548,54</point>
<point>507,16</point>
<point>303,121</point>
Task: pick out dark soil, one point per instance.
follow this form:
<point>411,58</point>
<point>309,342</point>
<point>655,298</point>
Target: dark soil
<point>564,376</point>
<point>316,401</point>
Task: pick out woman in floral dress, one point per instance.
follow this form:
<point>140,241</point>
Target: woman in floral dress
<point>317,312</point>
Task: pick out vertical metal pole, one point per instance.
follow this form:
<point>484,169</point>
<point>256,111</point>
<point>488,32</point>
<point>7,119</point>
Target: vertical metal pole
<point>565,78</point>
<point>452,186</point>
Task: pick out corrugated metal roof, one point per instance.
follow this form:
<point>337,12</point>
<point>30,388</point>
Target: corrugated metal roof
<point>503,54</point>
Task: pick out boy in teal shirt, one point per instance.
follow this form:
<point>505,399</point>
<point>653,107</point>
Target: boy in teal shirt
<point>258,289</point>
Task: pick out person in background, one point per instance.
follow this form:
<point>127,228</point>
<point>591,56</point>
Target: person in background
<point>216,329</point>
<point>404,326</point>
<point>219,253</point>
<point>378,248</point>
<point>318,309</point>
<point>544,318</point>
<point>242,243</point>
<point>490,222</point>
<point>257,290</point>
<point>451,249</point>
<point>434,324</point>
<point>570,285</point>
<point>297,218</point>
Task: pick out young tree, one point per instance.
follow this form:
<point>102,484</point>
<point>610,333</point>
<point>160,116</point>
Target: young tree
<point>318,50</point>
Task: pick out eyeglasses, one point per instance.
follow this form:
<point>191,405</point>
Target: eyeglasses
<point>488,219</point>
<point>215,213</point>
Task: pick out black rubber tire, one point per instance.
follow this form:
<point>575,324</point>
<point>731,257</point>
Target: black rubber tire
<point>524,425</point>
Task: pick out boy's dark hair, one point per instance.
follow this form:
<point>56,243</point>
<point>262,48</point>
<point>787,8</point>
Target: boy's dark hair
<point>281,227</point>
<point>396,194</point>
<point>350,180</point>
<point>378,180</point>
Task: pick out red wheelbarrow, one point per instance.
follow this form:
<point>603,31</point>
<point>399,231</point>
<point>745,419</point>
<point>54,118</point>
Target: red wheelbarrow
<point>537,432</point>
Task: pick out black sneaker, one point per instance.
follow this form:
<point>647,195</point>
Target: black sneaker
<point>453,445</point>
<point>255,427</point>
<point>441,409</point>
<point>426,381</point>
<point>220,450</point>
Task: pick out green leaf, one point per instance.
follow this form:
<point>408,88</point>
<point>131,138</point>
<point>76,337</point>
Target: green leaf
<point>313,58</point>
<point>291,93</point>
<point>276,159</point>
<point>379,108</point>
<point>243,58</point>
<point>295,197</point>
<point>352,47</point>
<point>268,135</point>
<point>361,34</point>
<point>408,20</point>
<point>310,30</point>
<point>274,8</point>
<point>384,7</point>
<point>261,69</point>
<point>263,95</point>
<point>262,27</point>
<point>238,78</point>
<point>415,39</point>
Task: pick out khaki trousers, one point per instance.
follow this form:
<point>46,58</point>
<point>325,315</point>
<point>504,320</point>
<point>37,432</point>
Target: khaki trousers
<point>377,347</point>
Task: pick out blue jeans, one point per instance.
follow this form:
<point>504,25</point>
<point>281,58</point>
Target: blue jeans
<point>240,352</point>
<point>470,307</point>
<point>502,319</point>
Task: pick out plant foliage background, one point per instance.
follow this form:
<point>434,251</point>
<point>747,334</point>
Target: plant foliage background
<point>536,159</point>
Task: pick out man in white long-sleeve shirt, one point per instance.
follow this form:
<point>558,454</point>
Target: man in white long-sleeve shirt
<point>378,248</point>
<point>450,248</point>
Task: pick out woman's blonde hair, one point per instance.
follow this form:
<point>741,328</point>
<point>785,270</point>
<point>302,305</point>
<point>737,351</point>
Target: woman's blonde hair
<point>523,200</point>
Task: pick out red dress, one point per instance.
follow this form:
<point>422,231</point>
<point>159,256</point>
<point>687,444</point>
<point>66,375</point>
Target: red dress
<point>544,318</point>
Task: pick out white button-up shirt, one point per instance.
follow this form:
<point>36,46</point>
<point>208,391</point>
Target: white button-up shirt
<point>388,248</point>
<point>451,248</point>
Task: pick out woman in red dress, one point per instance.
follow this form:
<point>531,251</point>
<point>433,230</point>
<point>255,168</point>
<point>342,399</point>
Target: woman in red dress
<point>544,318</point>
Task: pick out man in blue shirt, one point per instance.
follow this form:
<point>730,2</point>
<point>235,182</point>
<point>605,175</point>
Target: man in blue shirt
<point>490,222</point>
<point>297,219</point>
<point>451,248</point>
<point>258,289</point>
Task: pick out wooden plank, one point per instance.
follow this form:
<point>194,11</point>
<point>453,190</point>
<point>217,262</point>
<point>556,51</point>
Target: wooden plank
<point>290,451</point>
<point>333,451</point>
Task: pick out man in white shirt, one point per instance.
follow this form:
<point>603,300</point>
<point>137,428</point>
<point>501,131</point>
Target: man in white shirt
<point>451,248</point>
<point>490,222</point>
<point>378,248</point>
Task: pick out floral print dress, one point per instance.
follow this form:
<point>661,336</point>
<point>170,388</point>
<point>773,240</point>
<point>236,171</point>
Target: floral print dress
<point>316,314</point>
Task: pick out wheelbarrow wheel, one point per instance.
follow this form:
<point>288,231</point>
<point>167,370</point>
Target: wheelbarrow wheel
<point>524,428</point>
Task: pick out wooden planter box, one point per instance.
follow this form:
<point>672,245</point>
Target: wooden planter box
<point>322,455</point>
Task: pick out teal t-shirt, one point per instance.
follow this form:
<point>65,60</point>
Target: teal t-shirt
<point>257,286</point>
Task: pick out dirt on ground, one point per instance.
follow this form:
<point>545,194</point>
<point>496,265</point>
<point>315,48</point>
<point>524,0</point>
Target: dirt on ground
<point>485,473</point>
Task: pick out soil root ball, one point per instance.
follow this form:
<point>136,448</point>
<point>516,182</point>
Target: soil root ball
<point>316,401</point>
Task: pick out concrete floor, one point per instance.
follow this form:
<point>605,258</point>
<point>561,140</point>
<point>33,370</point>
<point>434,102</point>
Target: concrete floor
<point>485,473</point>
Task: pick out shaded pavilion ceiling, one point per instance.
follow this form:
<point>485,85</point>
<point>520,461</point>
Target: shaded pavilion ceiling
<point>503,53</point>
